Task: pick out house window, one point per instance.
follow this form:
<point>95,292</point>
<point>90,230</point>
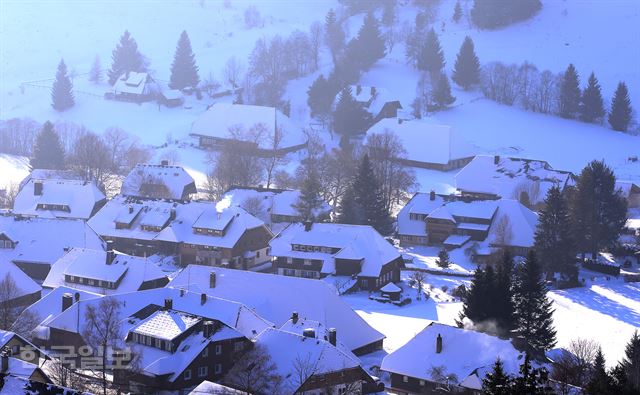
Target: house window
<point>422,383</point>
<point>148,339</point>
<point>158,343</point>
<point>218,368</point>
<point>289,260</point>
<point>202,371</point>
<point>405,379</point>
<point>238,346</point>
<point>257,254</point>
<point>205,352</point>
<point>167,345</point>
<point>218,349</point>
<point>307,262</point>
<point>187,374</point>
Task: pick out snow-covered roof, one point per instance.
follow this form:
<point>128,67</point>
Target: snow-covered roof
<point>132,271</point>
<point>232,314</point>
<point>78,197</point>
<point>463,351</point>
<point>521,227</point>
<point>239,121</point>
<point>288,349</point>
<point>208,387</point>
<point>426,142</point>
<point>627,188</point>
<point>391,288</point>
<point>180,229</point>
<point>50,305</point>
<point>158,182</point>
<point>459,210</point>
<point>358,242</point>
<point>279,202</point>
<point>44,240</point>
<point>165,324</point>
<point>19,368</point>
<point>510,176</point>
<point>276,297</point>
<point>131,82</point>
<point>24,284</point>
<point>420,204</point>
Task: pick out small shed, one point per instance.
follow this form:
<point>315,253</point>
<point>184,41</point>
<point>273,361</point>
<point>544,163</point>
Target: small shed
<point>171,98</point>
<point>391,291</point>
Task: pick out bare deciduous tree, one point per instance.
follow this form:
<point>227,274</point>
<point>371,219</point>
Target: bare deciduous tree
<point>304,366</point>
<point>8,195</point>
<point>233,69</point>
<point>26,322</point>
<point>18,136</point>
<point>419,278</point>
<point>254,371</point>
<point>574,366</point>
<point>9,312</point>
<point>63,375</point>
<point>316,34</point>
<point>275,159</point>
<point>253,205</point>
<point>502,231</point>
<point>90,159</point>
<point>499,82</point>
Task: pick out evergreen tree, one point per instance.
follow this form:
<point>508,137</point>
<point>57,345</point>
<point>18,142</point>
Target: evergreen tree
<point>592,106</point>
<point>554,244</point>
<point>62,90</point>
<point>47,151</point>
<point>600,382</point>
<point>497,382</point>
<point>370,46</point>
<point>569,93</point>
<point>95,74</point>
<point>431,56</point>
<point>320,96</point>
<point>350,210</point>
<point>443,259</point>
<point>457,12</point>
<point>531,381</point>
<point>389,13</point>
<point>620,114</point>
<point>598,211</point>
<point>441,95</point>
<point>503,294</point>
<point>477,299</point>
<point>349,117</point>
<point>630,364</point>
<point>184,72</point>
<point>125,57</point>
<point>466,70</point>
<point>309,202</point>
<point>532,309</point>
<point>334,35</point>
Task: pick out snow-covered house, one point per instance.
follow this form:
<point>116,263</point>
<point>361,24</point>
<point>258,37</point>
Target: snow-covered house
<point>208,387</point>
<point>55,194</point>
<point>428,146</point>
<point>34,244</point>
<point>412,227</point>
<point>283,300</point>
<point>20,348</point>
<point>158,182</point>
<point>198,232</point>
<point>104,272</point>
<point>315,250</point>
<point>448,358</point>
<point>263,129</point>
<point>20,290</point>
<point>134,86</point>
<point>18,368</point>
<point>271,205</point>
<point>494,177</point>
<point>630,191</point>
<point>312,364</point>
<point>183,338</point>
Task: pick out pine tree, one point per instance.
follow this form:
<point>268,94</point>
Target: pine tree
<point>569,93</point>
<point>466,71</point>
<point>457,12</point>
<point>531,381</point>
<point>441,94</point>
<point>389,13</point>
<point>497,382</point>
<point>184,72</point>
<point>309,202</point>
<point>125,57</point>
<point>62,90</point>
<point>334,35</point>
<point>95,74</point>
<point>600,382</point>
<point>443,259</point>
<point>532,309</point>
<point>370,46</point>
<point>630,364</point>
<point>592,106</point>
<point>431,56</point>
<point>47,151</point>
<point>349,117</point>
<point>478,298</point>
<point>320,96</point>
<point>554,244</point>
<point>620,114</point>
<point>350,210</point>
<point>503,294</point>
<point>598,211</point>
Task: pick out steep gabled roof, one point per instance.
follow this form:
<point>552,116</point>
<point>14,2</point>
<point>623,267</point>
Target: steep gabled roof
<point>174,181</point>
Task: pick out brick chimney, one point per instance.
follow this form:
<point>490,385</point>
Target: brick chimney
<point>203,298</point>
<point>432,195</point>
<point>212,280</point>
<point>67,301</point>
<point>294,317</point>
<point>37,188</point>
<point>309,332</point>
<point>438,344</point>
<point>111,255</point>
<point>333,336</point>
<point>168,304</point>
<point>208,328</point>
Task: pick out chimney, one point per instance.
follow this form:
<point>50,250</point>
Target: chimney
<point>67,301</point>
<point>438,344</point>
<point>203,298</point>
<point>164,162</point>
<point>212,279</point>
<point>76,297</point>
<point>432,195</point>
<point>207,328</point>
<point>496,159</point>
<point>309,332</point>
<point>111,255</point>
<point>307,225</point>
<point>358,89</point>
<point>4,365</point>
<point>37,188</point>
<point>373,91</point>
<point>294,317</point>
<point>333,336</point>
<point>131,209</point>
<point>172,214</point>
<point>168,304</point>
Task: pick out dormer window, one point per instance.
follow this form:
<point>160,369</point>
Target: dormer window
<point>6,244</point>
